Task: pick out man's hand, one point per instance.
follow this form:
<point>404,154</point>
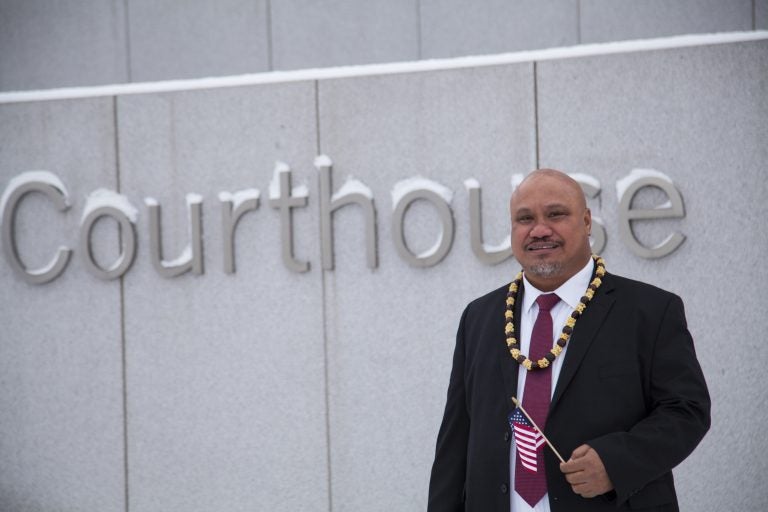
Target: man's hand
<point>586,473</point>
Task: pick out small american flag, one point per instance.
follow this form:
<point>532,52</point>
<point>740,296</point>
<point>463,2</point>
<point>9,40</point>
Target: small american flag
<point>527,439</point>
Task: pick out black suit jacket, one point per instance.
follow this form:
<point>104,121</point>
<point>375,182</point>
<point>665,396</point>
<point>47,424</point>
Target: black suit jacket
<point>630,387</point>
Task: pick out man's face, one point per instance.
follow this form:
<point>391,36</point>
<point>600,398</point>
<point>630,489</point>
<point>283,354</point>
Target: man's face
<point>550,229</point>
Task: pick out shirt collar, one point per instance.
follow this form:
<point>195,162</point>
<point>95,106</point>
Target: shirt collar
<point>569,292</point>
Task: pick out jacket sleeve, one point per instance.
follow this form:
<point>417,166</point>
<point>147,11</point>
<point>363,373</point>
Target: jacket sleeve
<point>678,417</point>
<point>446,485</point>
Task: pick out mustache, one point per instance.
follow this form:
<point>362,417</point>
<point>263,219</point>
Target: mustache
<point>542,243</point>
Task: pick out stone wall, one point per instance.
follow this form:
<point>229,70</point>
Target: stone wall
<point>268,388</point>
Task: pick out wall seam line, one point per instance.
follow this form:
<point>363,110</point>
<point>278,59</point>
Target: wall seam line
<point>127,22</point>
<point>326,375</point>
<point>324,310</point>
<point>419,32</point>
<point>270,46</point>
<point>123,352</point>
<point>125,391</point>
<point>536,111</point>
<point>578,22</point>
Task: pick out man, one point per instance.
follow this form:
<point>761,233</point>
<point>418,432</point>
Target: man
<point>609,375</point>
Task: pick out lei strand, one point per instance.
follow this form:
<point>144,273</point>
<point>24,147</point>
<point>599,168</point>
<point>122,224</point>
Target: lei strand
<point>570,323</point>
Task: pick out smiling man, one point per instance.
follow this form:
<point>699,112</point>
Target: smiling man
<point>550,228</point>
<point>603,365</point>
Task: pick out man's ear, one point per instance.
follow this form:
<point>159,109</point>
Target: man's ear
<point>588,220</point>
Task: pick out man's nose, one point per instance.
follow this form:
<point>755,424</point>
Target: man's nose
<point>541,230</point>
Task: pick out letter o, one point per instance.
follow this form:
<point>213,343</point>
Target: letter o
<point>128,236</point>
<point>437,253</point>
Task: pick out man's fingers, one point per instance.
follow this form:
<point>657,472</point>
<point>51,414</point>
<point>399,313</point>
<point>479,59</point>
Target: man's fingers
<point>586,473</point>
<point>574,463</point>
<point>580,451</point>
<point>584,489</point>
<point>576,478</point>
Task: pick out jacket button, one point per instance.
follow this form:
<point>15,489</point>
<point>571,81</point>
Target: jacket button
<point>506,436</point>
<point>504,488</point>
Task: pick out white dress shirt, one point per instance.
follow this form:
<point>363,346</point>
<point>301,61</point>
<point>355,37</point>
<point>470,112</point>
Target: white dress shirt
<point>570,293</point>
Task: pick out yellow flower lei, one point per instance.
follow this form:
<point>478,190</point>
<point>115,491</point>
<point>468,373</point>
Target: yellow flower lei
<point>570,323</point>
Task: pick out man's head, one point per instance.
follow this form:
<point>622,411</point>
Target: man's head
<point>550,228</point>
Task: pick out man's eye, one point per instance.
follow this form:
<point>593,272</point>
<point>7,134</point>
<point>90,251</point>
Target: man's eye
<point>557,214</point>
<point>524,218</point>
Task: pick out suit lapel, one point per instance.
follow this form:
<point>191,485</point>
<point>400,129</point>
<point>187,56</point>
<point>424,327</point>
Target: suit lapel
<point>583,334</point>
<point>510,367</point>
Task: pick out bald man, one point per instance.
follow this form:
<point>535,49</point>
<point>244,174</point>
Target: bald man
<point>603,365</point>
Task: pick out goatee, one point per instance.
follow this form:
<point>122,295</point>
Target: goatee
<point>546,270</point>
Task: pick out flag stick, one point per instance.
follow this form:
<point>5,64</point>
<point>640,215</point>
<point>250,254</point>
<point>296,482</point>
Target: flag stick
<point>520,406</point>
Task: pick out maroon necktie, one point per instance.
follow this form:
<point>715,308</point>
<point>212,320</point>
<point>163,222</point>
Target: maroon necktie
<point>530,485</point>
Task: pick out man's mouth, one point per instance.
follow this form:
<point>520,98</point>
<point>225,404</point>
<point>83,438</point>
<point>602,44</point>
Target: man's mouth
<point>541,246</point>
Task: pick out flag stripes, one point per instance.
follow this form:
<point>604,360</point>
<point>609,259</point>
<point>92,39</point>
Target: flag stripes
<point>528,440</point>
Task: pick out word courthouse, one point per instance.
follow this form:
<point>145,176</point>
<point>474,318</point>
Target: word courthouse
<point>103,203</point>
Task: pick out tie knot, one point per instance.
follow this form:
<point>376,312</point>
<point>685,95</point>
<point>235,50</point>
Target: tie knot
<point>547,301</point>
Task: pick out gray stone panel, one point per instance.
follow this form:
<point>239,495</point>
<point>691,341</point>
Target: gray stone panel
<point>225,372</point>
<point>698,115</point>
<point>454,28</point>
<point>61,434</point>
<point>202,38</point>
<point>616,20</point>
<point>391,330</point>
<point>761,14</point>
<point>56,44</point>
<point>311,33</point>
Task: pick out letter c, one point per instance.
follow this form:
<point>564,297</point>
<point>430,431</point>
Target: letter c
<point>34,181</point>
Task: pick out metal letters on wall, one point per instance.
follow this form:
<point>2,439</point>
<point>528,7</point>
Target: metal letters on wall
<point>108,204</point>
